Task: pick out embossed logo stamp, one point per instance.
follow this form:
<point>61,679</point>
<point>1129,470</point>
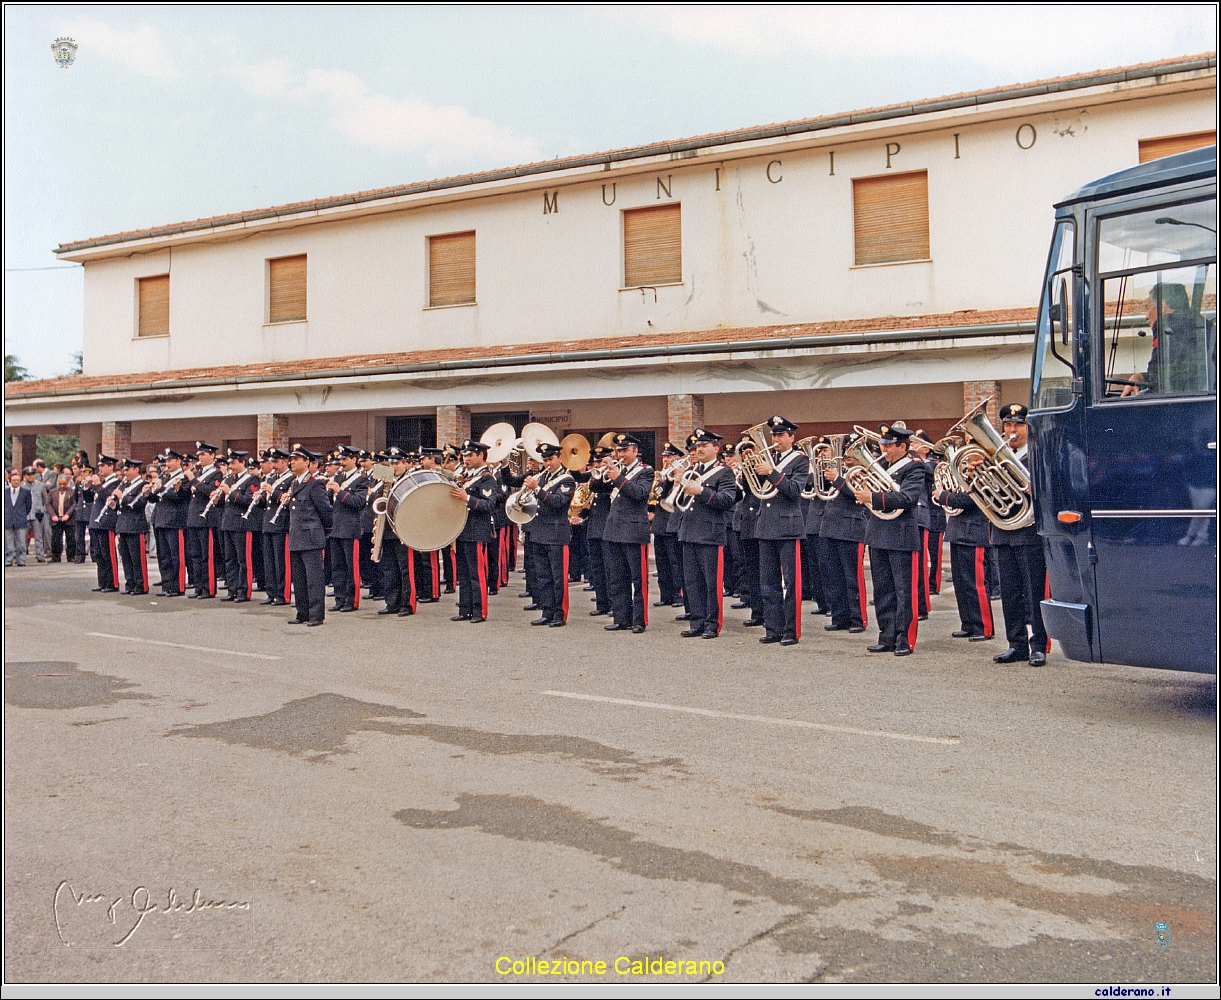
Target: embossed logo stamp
<point>149,917</point>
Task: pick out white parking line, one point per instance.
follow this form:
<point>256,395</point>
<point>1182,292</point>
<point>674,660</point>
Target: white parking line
<point>951,741</point>
<point>179,645</point>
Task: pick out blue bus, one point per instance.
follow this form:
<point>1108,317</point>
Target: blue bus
<point>1123,421</point>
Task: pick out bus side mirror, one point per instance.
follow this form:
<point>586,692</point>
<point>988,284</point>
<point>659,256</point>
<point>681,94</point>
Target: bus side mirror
<point>1059,312</point>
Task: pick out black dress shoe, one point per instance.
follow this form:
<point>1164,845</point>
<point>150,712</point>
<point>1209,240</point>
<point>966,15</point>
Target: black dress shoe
<point>981,638</point>
<point>752,622</point>
<point>335,607</point>
<point>279,602</point>
<point>207,597</point>
<point>476,620</point>
<point>350,607</point>
<point>403,612</point>
<point>596,613</point>
<point>1010,655</point>
<point>710,633</point>
<point>532,607</point>
<point>229,597</point>
<point>662,604</point>
<point>691,633</point>
<point>612,627</point>
<point>314,624</point>
<point>738,605</point>
<point>524,593</point>
<point>789,640</point>
<point>902,650</point>
<point>557,623</point>
<point>588,590</point>
<point>241,600</point>
<point>296,621</point>
<point>637,629</point>
<point>389,611</point>
<point>544,620</point>
<point>461,618</point>
<point>686,616</point>
<point>923,617</point>
<point>269,600</point>
<point>769,638</point>
<point>427,600</point>
<point>961,633</point>
<point>98,590</point>
<point>856,629</point>
<point>1038,658</point>
<point>835,628</point>
<point>880,647</point>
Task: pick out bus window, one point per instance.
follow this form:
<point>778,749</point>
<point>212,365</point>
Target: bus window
<point>1159,308</point>
<point>1052,378</point>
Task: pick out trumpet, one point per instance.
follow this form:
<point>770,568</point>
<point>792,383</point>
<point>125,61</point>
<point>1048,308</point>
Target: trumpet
<point>762,448</point>
<point>987,468</point>
<point>868,473</point>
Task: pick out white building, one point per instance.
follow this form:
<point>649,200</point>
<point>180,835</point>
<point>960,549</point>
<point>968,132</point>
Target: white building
<point>862,267</point>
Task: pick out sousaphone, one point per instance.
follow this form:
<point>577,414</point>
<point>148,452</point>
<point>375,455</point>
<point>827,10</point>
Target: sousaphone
<point>500,439</point>
<point>574,452</point>
<point>532,435</point>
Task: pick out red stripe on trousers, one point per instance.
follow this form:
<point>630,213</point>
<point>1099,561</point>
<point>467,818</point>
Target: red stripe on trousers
<point>1046,597</point>
<point>114,559</point>
<point>411,577</point>
<point>503,564</point>
<point>981,591</point>
<point>436,574</point>
<point>249,564</point>
<point>860,584</point>
<point>937,569</point>
<point>182,563</point>
<point>482,561</point>
<point>211,565</point>
<point>797,586</point>
<point>288,571</point>
<point>911,629</point>
<point>144,562</point>
<point>452,555</point>
<point>564,603</point>
<point>644,579</point>
<point>356,571</point>
<point>720,589</point>
<point>924,567</point>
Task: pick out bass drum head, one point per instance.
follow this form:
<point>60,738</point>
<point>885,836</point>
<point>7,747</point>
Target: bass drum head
<point>424,516</point>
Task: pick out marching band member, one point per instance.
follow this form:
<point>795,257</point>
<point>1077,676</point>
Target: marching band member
<point>550,534</point>
<point>666,547</point>
<point>895,546</point>
<point>170,498</point>
<point>131,526</point>
<point>277,562</point>
<point>498,555</point>
<point>309,509</point>
<point>713,492</point>
<point>102,520</point>
<point>733,545</point>
<point>779,530</point>
<point>811,569</point>
<point>201,522</point>
<point>599,510</point>
<point>428,564</point>
<point>254,523</point>
<point>747,512</point>
<point>967,533</point>
<point>681,595</point>
<point>450,461</point>
<point>348,490</point>
<point>397,560</point>
<point>627,536</point>
<point>924,446</point>
<point>478,491</point>
<point>238,489</point>
<point>1022,567</point>
<point>841,538</point>
<point>370,572</point>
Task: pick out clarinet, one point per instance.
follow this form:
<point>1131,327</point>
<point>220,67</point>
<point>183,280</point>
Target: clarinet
<point>284,499</point>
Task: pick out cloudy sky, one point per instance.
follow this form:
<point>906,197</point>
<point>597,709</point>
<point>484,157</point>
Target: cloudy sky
<point>175,113</point>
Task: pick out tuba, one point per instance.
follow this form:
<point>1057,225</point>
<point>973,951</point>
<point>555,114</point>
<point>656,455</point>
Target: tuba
<point>763,448</point>
<point>868,472</point>
<point>998,484</point>
<point>822,457</point>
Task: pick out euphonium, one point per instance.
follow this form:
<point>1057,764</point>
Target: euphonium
<point>672,473</point>
<point>998,484</point>
<point>868,473</point>
<point>943,477</point>
<point>822,457</point>
<point>762,449</point>
<point>582,500</point>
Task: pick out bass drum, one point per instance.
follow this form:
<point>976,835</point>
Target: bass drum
<point>422,513</point>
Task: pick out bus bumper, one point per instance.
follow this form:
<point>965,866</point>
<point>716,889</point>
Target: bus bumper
<point>1070,626</point>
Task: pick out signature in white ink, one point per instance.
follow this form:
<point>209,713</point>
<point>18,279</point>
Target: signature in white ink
<point>127,912</point>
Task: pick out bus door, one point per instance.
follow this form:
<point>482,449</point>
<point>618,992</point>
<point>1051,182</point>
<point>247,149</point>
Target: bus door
<point>1151,434</point>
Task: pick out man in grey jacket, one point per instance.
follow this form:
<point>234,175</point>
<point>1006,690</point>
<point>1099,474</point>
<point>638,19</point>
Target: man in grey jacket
<point>16,513</point>
<point>38,494</point>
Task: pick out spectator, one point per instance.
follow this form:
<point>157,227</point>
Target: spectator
<point>38,496</point>
<point>80,517</point>
<point>61,504</point>
<point>17,503</point>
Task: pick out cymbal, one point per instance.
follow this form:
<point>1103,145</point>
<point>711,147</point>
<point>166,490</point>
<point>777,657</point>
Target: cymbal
<point>532,435</point>
<point>574,452</point>
<point>500,439</point>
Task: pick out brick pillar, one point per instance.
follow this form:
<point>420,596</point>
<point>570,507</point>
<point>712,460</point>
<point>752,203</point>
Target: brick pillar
<point>453,425</point>
<point>684,414</point>
<point>116,438</point>
<point>25,450</point>
<point>974,393</point>
<point>273,431</point>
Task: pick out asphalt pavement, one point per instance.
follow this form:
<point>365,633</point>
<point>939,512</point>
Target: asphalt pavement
<point>197,791</point>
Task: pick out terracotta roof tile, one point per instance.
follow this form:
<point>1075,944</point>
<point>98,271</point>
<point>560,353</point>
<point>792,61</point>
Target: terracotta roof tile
<point>73,383</point>
<point>562,163</point>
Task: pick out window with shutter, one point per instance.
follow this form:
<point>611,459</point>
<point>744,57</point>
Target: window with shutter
<point>890,217</point>
<point>154,306</point>
<point>451,269</point>
<point>1155,149</point>
<point>286,284</point>
<point>653,246</point>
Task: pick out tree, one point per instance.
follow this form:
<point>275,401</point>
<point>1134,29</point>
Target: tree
<point>13,372</point>
<point>78,363</point>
